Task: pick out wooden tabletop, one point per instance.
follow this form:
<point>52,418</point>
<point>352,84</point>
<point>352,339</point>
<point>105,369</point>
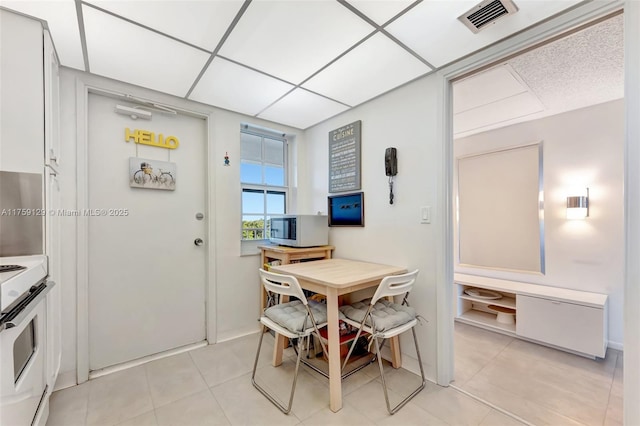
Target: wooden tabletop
<point>287,249</point>
<point>342,274</point>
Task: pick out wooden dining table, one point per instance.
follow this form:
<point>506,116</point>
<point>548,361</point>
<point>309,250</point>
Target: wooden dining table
<point>334,278</point>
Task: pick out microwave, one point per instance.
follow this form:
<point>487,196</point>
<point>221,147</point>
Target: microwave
<point>299,230</point>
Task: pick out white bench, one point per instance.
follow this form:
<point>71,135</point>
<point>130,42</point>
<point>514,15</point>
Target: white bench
<point>571,320</point>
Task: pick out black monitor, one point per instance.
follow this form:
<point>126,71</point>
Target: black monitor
<point>346,209</point>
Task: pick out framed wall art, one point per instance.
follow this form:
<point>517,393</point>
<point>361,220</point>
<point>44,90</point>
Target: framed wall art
<point>344,158</point>
<point>152,174</point>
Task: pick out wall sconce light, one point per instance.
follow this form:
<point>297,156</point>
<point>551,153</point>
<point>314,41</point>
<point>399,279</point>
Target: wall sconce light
<point>578,206</point>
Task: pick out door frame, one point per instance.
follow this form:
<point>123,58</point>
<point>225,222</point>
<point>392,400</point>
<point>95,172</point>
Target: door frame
<point>579,15</point>
<point>490,56</point>
<point>117,90</point>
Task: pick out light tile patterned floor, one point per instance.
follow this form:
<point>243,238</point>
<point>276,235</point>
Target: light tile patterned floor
<point>539,384</point>
<point>212,386</point>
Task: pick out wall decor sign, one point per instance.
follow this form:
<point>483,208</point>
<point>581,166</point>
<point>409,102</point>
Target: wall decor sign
<point>146,137</point>
<point>152,174</point>
<point>344,158</point>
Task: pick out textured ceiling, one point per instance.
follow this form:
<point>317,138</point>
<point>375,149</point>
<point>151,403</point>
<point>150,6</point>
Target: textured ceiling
<point>582,69</point>
<point>296,62</point>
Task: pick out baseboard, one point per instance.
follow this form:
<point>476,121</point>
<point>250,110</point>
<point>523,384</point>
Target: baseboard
<point>65,380</point>
<point>237,335</point>
<point>615,345</point>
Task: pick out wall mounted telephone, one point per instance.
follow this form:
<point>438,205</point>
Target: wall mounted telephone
<point>390,168</point>
<point>390,162</point>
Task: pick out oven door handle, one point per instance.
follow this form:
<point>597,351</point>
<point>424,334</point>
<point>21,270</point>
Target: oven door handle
<point>26,310</point>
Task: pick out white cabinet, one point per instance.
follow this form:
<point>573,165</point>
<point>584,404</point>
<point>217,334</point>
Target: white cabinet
<point>51,105</point>
<point>572,320</point>
<point>577,327</point>
<point>22,100</point>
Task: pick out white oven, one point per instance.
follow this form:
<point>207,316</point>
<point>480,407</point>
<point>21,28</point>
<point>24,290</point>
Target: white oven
<point>23,326</point>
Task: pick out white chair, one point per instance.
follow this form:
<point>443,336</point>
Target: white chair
<point>296,320</point>
<point>383,319</point>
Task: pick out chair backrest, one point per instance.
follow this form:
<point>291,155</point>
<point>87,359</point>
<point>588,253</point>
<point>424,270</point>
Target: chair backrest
<point>394,285</point>
<point>282,284</point>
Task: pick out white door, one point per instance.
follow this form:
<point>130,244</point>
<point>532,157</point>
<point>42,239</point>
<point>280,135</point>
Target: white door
<point>146,275</point>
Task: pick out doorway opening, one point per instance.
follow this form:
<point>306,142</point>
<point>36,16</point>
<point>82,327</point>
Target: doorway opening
<point>566,93</point>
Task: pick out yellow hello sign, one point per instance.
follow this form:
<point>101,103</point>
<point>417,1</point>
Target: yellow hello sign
<point>146,137</point>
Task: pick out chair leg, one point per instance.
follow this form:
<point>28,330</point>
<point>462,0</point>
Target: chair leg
<point>255,363</point>
<point>384,385</point>
<point>287,409</point>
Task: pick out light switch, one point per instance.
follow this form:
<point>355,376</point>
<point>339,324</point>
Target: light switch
<point>425,214</point>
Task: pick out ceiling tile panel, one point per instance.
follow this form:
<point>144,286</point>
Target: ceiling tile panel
<point>237,88</point>
<point>127,52</point>
<point>374,67</point>
<point>433,31</point>
<point>63,25</point>
<point>486,87</point>
<point>302,109</point>
<point>380,11</point>
<point>293,39</point>
<point>201,23</point>
<point>496,114</point>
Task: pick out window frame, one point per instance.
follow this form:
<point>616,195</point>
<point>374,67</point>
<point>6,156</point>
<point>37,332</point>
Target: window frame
<point>263,187</point>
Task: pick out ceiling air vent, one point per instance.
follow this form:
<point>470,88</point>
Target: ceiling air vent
<point>487,12</point>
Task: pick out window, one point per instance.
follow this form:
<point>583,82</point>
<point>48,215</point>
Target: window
<point>263,177</point>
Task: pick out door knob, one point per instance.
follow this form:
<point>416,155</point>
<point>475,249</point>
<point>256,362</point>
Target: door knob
<point>198,241</point>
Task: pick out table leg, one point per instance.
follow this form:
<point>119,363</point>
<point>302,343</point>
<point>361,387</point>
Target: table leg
<point>335,376</point>
<point>396,357</point>
<point>281,341</point>
<point>394,343</point>
<point>278,349</point>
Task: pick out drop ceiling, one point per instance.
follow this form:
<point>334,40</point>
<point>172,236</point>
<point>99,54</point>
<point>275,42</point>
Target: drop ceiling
<point>295,62</point>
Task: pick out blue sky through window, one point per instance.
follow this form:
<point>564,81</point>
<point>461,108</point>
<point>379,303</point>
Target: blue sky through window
<point>250,173</point>
<point>253,202</point>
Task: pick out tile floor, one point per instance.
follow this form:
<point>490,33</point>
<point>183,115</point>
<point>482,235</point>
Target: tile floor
<point>212,386</point>
<point>538,384</point>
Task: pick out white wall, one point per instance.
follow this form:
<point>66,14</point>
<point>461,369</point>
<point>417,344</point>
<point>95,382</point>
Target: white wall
<point>406,119</point>
<point>582,148</point>
<point>234,285</point>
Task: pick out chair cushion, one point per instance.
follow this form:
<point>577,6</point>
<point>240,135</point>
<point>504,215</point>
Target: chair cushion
<point>386,314</point>
<point>291,315</point>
